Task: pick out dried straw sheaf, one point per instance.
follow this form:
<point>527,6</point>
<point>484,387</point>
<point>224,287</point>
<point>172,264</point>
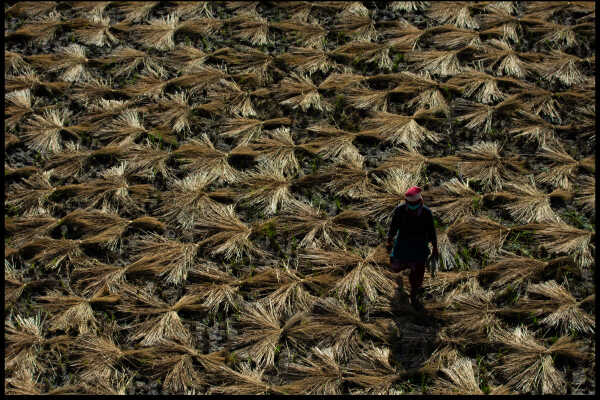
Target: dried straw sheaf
<point>461,380</point>
<point>245,381</point>
<point>455,200</point>
<point>333,144</point>
<point>162,322</point>
<point>561,172</point>
<point>15,283</point>
<point>530,367</point>
<point>414,162</point>
<point>176,365</point>
<point>277,148</point>
<point>499,56</point>
<point>561,309</point>
<point>562,238</point>
<point>226,234</point>
<point>218,290</point>
<point>361,271</point>
<point>40,30</point>
<point>127,61</point>
<point>563,67</point>
<point>317,228</point>
<point>246,130</point>
<point>201,155</point>
<point>472,316</point>
<point>457,13</point>
<point>264,330</point>
<point>586,195</point>
<point>482,233</point>
<point>403,129</point>
<point>516,270</point>
<point>332,323</point>
<point>160,256</point>
<point>74,312</point>
<point>483,162</point>
<point>32,193</point>
<point>320,374</point>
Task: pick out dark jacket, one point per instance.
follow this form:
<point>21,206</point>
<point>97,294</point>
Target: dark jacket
<point>412,233</point>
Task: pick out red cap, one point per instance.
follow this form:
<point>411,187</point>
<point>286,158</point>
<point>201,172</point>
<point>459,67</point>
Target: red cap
<point>412,194</point>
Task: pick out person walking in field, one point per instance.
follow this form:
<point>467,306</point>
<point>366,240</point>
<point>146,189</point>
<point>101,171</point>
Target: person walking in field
<point>410,232</point>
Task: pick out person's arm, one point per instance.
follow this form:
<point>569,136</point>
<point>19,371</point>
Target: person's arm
<point>394,225</point>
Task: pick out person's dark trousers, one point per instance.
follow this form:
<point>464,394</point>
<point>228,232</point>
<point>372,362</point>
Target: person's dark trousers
<point>417,272</point>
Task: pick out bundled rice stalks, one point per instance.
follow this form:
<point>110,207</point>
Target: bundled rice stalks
<point>340,81</point>
<point>358,27</point>
<point>133,12</point>
<point>482,233</point>
<point>472,316</point>
<point>547,10</point>
<point>587,122</point>
<point>516,270</point>
<point>105,227</point>
<point>32,193</point>
<point>561,172</point>
<point>227,95</point>
<point>367,52</point>
<point>562,36</point>
<point>177,112</point>
<point>19,103</point>
<point>128,60</point>
<point>24,383</point>
<point>299,91</point>
<point>43,133</point>
<point>562,67</point>
<point>246,381</point>
<point>15,284</point>
<point>147,160</point>
<point>457,13</point>
<point>509,26</point>
<point>498,55</point>
<point>14,63</point>
<point>276,147</point>
<point>462,381</point>
<point>562,238</point>
<point>413,162</point>
<point>535,128</point>
<point>247,129</point>
<point>51,253</point>
<point>162,323</point>
<point>72,311</point>
<point>335,325</point>
<point>561,309</point>
<point>347,179</point>
<point>219,291</point>
<point>71,59</point>
<point>161,256</point>
<point>264,330</point>
<point>403,129</point>
<point>112,190</point>
<point>443,281</point>
<point>483,87</point>
<point>94,276</point>
<point>360,271</point>
<point>25,341</point>
<point>35,222</point>
<point>310,60</point>
<point>483,115</point>
<point>316,227</point>
<point>309,34</point>
<point>29,79</point>
<point>530,367</point>
<point>251,28</point>
<point>41,30</point>
<point>250,63</point>
<point>70,162</point>
<point>188,198</point>
<point>455,200</point>
<point>202,155</point>
<point>31,8</point>
<point>363,98</point>
<point>177,365</point>
<point>118,383</point>
<point>586,197</point>
<point>322,374</point>
<point>388,194</point>
<point>334,144</point>
<point>197,8</point>
<point>228,235</point>
<point>289,291</point>
<point>266,187</point>
<point>93,31</point>
<point>483,162</point>
<point>374,373</point>
<point>405,36</point>
<point>447,251</point>
<point>438,62</point>
<point>99,356</point>
<point>526,203</point>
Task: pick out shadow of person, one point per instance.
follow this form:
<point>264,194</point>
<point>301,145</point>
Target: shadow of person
<point>416,331</point>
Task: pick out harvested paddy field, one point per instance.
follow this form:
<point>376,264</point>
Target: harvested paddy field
<point>198,195</point>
